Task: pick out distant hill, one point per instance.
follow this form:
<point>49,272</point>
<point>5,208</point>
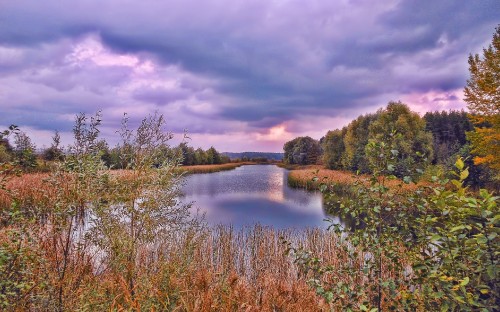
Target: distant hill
<point>249,155</point>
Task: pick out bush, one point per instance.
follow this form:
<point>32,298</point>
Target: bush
<point>435,249</point>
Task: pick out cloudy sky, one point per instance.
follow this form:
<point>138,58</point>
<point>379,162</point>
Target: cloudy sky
<point>239,75</point>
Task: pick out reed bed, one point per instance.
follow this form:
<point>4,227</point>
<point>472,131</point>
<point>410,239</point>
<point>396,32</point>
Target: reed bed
<point>303,178</point>
<point>217,269</point>
<point>213,168</point>
<point>194,269</point>
<point>35,188</point>
<point>30,189</point>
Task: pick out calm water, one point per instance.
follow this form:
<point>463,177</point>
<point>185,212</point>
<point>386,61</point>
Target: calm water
<point>251,194</point>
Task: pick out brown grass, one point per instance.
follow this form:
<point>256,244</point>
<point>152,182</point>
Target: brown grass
<point>34,188</point>
<point>29,189</point>
<point>303,178</point>
<point>220,269</point>
<point>215,269</point>
<point>213,168</point>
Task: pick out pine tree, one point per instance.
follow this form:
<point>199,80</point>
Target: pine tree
<point>482,95</point>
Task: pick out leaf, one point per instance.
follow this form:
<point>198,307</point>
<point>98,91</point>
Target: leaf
<point>445,307</point>
<point>464,174</point>
<point>328,296</point>
<point>457,228</point>
<point>457,183</point>
<point>419,266</point>
<point>435,237</point>
<point>481,239</point>
<point>459,164</point>
<point>465,281</point>
<point>491,271</point>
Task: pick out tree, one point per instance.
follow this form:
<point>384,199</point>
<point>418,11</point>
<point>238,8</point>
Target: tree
<point>355,141</point>
<point>4,154</point>
<point>24,151</point>
<point>104,152</point>
<point>448,132</point>
<point>482,95</point>
<point>54,152</point>
<point>200,157</point>
<point>302,151</point>
<point>187,153</point>
<point>334,149</point>
<point>213,157</point>
<point>400,132</point>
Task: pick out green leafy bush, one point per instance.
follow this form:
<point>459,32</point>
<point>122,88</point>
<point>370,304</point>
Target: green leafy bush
<point>435,249</point>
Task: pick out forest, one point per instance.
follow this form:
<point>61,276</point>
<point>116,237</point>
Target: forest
<point>423,146</point>
<point>28,158</point>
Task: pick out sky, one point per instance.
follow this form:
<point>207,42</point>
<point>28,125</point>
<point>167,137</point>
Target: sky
<point>238,75</point>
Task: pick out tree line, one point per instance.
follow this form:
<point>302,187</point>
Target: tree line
<point>419,144</point>
<point>23,152</point>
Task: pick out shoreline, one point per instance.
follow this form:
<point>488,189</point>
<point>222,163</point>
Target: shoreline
<point>313,176</point>
<point>197,169</point>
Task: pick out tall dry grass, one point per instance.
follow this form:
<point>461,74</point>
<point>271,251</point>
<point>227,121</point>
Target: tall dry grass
<point>221,269</point>
<point>204,269</point>
<point>303,178</point>
<point>35,189</point>
<point>213,168</point>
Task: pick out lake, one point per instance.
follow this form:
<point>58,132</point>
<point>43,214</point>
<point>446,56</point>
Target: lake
<point>254,194</point>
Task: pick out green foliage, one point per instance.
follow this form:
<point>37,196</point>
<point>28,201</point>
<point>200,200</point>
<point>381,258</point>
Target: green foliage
<point>54,152</point>
<point>482,95</point>
<point>334,149</point>
<point>191,157</point>
<point>302,151</point>
<point>434,249</point>
<point>395,127</point>
<point>90,223</point>
<point>24,151</point>
<point>482,91</point>
<point>19,262</point>
<point>145,208</point>
<point>4,154</point>
<point>449,133</point>
<point>355,141</point>
<point>213,156</point>
<point>188,154</point>
<point>401,131</point>
<point>458,233</point>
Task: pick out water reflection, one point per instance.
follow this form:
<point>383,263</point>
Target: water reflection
<point>251,194</point>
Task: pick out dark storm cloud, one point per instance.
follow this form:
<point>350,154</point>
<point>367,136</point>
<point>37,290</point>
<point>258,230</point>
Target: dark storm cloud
<point>455,18</point>
<point>160,95</point>
<point>228,63</point>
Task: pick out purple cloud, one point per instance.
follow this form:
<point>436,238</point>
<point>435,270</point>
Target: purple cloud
<point>234,69</point>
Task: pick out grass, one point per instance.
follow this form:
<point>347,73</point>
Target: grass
<point>205,269</point>
<point>33,188</point>
<point>213,168</point>
<point>303,178</point>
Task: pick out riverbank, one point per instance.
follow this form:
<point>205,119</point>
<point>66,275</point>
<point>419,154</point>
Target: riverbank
<point>312,177</point>
<point>35,188</point>
<point>214,168</point>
